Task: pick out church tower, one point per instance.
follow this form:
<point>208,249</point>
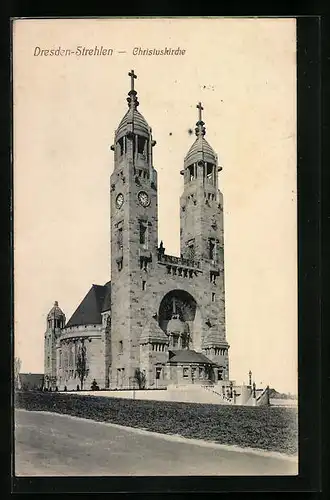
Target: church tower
<point>134,230</point>
<point>55,322</point>
<point>201,202</point>
<point>201,239</point>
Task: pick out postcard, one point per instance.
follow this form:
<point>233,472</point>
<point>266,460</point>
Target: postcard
<point>155,246</point>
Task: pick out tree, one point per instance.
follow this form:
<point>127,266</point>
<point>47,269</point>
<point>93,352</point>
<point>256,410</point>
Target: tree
<point>140,378</point>
<point>17,369</point>
<point>82,364</point>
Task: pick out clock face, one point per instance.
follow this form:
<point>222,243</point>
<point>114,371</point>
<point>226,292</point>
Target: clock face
<point>143,198</point>
<point>119,200</point>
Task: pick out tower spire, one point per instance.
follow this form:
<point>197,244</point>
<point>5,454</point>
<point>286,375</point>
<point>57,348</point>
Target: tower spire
<point>132,99</point>
<point>200,129</point>
<point>133,77</point>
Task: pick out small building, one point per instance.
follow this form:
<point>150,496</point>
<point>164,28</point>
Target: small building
<point>31,381</point>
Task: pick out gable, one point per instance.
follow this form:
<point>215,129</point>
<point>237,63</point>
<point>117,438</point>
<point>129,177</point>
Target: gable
<point>189,356</point>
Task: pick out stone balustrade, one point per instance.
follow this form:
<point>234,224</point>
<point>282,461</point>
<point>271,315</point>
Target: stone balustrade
<point>179,262</point>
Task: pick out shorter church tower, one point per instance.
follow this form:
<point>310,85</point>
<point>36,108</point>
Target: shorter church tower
<point>202,240</point>
<point>55,323</point>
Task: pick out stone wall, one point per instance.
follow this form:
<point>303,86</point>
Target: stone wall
<point>67,352</point>
<point>151,360</point>
<point>135,306</point>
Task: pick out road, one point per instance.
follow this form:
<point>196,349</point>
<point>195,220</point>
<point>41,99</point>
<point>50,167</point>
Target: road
<point>59,445</point>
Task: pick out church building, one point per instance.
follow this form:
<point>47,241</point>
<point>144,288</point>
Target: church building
<point>160,320</point>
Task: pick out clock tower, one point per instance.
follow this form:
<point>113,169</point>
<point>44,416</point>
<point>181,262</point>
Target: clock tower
<point>134,229</point>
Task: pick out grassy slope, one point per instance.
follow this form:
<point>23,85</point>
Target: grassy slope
<point>267,428</point>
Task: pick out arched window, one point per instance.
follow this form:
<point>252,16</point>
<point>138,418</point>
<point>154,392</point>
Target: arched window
<point>70,356</point>
<point>191,249</point>
<point>210,173</point>
<point>175,341</point>
<point>141,145</point>
<point>191,170</point>
<point>121,146</point>
<point>120,238</point>
<point>143,233</point>
<point>120,347</point>
<point>211,248</point>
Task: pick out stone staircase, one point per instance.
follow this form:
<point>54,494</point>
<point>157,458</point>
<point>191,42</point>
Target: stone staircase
<point>261,398</point>
<point>197,394</point>
<point>223,398</point>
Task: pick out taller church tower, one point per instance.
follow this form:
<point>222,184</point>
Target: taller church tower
<point>134,230</point>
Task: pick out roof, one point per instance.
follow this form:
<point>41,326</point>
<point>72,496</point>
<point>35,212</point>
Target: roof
<point>97,300</point>
<point>107,299</point>
<point>212,339</point>
<point>189,356</point>
<point>201,150</point>
<point>133,118</point>
<point>153,333</point>
<point>31,380</point>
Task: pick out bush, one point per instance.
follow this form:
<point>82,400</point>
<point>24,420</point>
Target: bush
<point>140,378</point>
<point>268,428</point>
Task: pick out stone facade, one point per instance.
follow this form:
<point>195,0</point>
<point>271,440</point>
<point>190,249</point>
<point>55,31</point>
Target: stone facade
<point>162,315</point>
<point>91,337</point>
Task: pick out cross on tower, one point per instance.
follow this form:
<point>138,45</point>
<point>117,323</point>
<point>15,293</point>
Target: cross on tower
<point>133,77</point>
<point>200,109</point>
<point>173,306</point>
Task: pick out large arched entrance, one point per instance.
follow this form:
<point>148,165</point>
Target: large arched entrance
<point>179,317</point>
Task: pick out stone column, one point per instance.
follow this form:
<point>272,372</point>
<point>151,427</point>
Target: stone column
<point>136,147</point>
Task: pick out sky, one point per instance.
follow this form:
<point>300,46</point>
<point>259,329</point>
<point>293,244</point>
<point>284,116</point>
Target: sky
<point>66,109</point>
